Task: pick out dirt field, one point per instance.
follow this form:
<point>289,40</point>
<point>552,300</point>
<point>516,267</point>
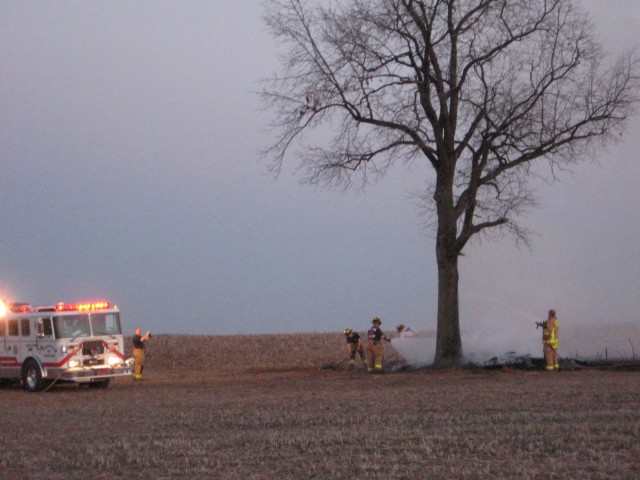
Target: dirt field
<point>286,407</point>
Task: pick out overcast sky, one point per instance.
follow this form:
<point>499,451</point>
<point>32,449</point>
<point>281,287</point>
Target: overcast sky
<point>129,139</point>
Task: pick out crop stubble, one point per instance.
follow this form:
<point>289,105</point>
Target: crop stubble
<point>285,406</point>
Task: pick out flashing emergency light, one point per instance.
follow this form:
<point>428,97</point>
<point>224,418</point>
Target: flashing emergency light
<point>79,307</point>
<point>14,307</point>
<point>20,307</point>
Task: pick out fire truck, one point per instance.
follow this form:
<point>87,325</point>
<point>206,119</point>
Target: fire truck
<point>66,342</point>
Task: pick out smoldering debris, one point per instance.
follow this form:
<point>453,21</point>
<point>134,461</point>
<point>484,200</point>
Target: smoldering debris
<point>418,351</point>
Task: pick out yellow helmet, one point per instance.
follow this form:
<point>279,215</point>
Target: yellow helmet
<point>347,331</point>
<point>376,320</point>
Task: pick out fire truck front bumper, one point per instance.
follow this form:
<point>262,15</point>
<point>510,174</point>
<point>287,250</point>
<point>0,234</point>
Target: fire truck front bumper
<point>92,374</point>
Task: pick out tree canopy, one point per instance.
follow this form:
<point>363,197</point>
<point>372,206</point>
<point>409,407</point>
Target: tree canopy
<point>491,94</point>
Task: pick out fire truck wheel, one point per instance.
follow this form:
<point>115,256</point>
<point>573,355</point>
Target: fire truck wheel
<point>32,376</point>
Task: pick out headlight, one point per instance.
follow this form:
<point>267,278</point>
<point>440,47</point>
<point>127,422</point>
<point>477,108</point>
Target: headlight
<point>73,363</point>
<point>113,361</point>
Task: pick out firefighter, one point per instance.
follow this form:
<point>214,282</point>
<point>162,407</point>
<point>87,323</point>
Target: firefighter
<point>354,345</point>
<point>550,340</point>
<point>138,352</point>
<point>375,349</point>
<point>405,331</point>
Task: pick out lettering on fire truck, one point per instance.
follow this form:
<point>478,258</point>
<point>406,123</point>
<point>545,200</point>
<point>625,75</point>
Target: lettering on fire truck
<point>66,342</point>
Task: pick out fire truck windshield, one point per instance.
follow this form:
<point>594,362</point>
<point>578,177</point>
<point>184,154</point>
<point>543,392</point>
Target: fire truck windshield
<point>105,324</point>
<point>86,325</point>
<point>71,326</point>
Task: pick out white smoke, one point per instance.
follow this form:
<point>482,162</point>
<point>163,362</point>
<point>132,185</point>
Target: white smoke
<point>495,332</point>
<point>418,350</point>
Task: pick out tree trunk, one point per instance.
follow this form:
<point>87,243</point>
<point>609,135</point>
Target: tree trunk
<point>448,340</point>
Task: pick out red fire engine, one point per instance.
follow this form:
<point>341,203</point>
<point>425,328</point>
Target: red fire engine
<point>77,342</point>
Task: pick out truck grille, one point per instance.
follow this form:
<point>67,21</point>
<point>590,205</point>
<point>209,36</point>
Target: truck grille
<point>93,347</point>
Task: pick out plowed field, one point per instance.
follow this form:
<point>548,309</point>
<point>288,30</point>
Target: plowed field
<point>286,407</point>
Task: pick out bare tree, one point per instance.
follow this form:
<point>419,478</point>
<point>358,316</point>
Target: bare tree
<point>491,93</point>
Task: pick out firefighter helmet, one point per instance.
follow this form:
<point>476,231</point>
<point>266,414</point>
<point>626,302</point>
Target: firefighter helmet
<point>376,320</point>
<point>347,331</point>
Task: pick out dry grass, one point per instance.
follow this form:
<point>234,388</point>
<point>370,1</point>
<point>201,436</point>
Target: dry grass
<point>282,406</point>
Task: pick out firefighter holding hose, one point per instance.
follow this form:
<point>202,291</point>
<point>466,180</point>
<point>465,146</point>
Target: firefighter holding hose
<point>354,345</point>
<point>551,340</point>
<point>375,348</point>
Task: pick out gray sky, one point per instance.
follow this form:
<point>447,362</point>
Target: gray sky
<point>129,133</point>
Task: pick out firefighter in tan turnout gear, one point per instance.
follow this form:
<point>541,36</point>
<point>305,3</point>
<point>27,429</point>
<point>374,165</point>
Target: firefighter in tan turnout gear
<point>551,340</point>
<point>354,345</point>
<point>138,352</point>
<point>375,348</point>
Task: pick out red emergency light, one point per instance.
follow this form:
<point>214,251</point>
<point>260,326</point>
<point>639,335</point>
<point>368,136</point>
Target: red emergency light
<point>20,307</point>
<point>79,307</point>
